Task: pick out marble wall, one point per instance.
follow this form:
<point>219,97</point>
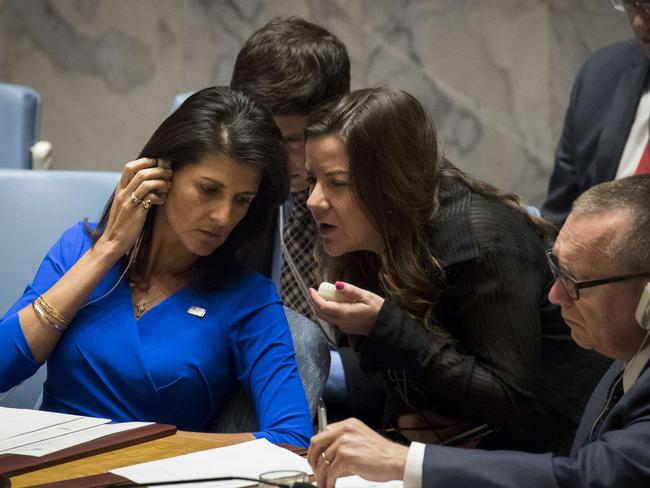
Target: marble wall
<point>495,74</point>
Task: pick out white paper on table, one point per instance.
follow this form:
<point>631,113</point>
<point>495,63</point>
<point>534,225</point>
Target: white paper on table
<point>358,482</point>
<point>17,421</point>
<point>43,448</point>
<point>249,459</point>
<point>41,435</point>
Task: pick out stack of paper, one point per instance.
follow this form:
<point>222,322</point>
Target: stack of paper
<point>358,482</point>
<point>37,433</point>
<point>248,459</point>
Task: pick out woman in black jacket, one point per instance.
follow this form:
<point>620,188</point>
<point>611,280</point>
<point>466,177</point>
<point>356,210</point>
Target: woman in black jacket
<point>445,278</point>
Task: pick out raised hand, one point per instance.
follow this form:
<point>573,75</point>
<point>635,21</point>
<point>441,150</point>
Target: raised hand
<point>357,315</point>
<point>351,447</point>
<point>142,184</point>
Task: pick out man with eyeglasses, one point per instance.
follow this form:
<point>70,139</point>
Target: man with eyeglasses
<point>606,128</point>
<point>601,262</point>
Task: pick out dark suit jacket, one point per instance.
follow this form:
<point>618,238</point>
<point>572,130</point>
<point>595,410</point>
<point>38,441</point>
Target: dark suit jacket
<point>618,456</point>
<point>603,103</point>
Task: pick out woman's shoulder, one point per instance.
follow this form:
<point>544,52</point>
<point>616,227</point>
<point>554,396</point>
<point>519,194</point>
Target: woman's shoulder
<point>77,236</point>
<point>71,244</point>
<point>249,286</point>
<point>243,303</point>
<point>470,224</point>
<point>253,280</point>
<point>494,219</point>
<point>80,231</point>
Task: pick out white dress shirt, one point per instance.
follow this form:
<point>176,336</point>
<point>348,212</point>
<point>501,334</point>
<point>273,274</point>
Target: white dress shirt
<point>637,139</point>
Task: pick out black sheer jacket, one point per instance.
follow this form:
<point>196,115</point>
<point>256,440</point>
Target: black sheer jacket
<point>509,361</point>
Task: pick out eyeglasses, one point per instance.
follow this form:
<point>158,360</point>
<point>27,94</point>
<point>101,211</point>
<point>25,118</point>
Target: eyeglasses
<point>572,287</point>
<point>635,7</point>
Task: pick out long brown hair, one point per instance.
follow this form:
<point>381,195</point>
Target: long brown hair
<point>396,173</point>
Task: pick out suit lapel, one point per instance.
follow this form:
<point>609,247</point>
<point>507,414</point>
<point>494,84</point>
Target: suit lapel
<point>618,121</point>
<point>594,406</point>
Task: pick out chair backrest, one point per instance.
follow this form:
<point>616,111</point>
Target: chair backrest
<point>20,125</point>
<point>313,358</point>
<point>36,207</point>
<point>532,210</point>
<point>178,100</point>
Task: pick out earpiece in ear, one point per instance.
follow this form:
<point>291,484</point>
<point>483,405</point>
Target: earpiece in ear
<point>163,163</point>
<point>643,309</point>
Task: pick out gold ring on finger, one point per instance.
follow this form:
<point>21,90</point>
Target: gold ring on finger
<point>134,199</point>
<point>327,461</point>
<point>145,204</point>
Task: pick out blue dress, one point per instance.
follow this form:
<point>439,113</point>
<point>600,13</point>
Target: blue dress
<point>169,366</point>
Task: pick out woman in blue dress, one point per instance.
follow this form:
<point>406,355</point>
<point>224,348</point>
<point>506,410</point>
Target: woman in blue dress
<point>148,315</point>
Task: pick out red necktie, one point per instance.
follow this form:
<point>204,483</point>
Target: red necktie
<point>644,164</point>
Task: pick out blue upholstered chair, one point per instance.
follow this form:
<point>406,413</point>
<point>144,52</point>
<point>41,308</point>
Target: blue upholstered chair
<point>178,100</point>
<point>532,210</point>
<point>37,206</point>
<point>20,125</point>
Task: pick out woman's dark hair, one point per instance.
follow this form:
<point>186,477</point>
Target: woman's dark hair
<point>218,120</point>
<point>397,169</point>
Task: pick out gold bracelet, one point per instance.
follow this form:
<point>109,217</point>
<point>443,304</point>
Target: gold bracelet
<point>53,312</point>
<point>43,316</point>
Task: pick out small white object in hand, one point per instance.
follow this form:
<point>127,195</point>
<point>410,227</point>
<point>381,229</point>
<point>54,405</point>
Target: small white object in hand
<point>329,292</point>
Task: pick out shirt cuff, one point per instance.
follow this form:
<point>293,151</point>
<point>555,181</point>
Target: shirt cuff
<point>414,462</point>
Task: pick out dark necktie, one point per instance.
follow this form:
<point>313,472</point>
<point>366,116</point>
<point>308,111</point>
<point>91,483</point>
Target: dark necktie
<point>297,257</point>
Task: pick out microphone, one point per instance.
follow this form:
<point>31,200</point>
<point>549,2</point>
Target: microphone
<point>297,484</point>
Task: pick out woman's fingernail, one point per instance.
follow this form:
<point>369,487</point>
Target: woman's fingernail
<point>340,285</point>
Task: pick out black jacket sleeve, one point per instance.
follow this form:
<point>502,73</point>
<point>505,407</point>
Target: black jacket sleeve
<point>492,308</point>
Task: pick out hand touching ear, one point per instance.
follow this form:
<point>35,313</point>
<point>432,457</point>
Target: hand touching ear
<point>357,315</point>
<point>142,185</point>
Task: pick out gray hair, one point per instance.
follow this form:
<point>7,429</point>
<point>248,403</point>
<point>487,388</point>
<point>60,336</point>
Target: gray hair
<point>632,194</point>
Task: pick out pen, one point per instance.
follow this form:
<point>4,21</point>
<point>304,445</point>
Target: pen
<point>322,415</point>
<point>472,434</point>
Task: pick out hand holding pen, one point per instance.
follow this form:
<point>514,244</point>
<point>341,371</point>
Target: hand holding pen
<point>350,447</point>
